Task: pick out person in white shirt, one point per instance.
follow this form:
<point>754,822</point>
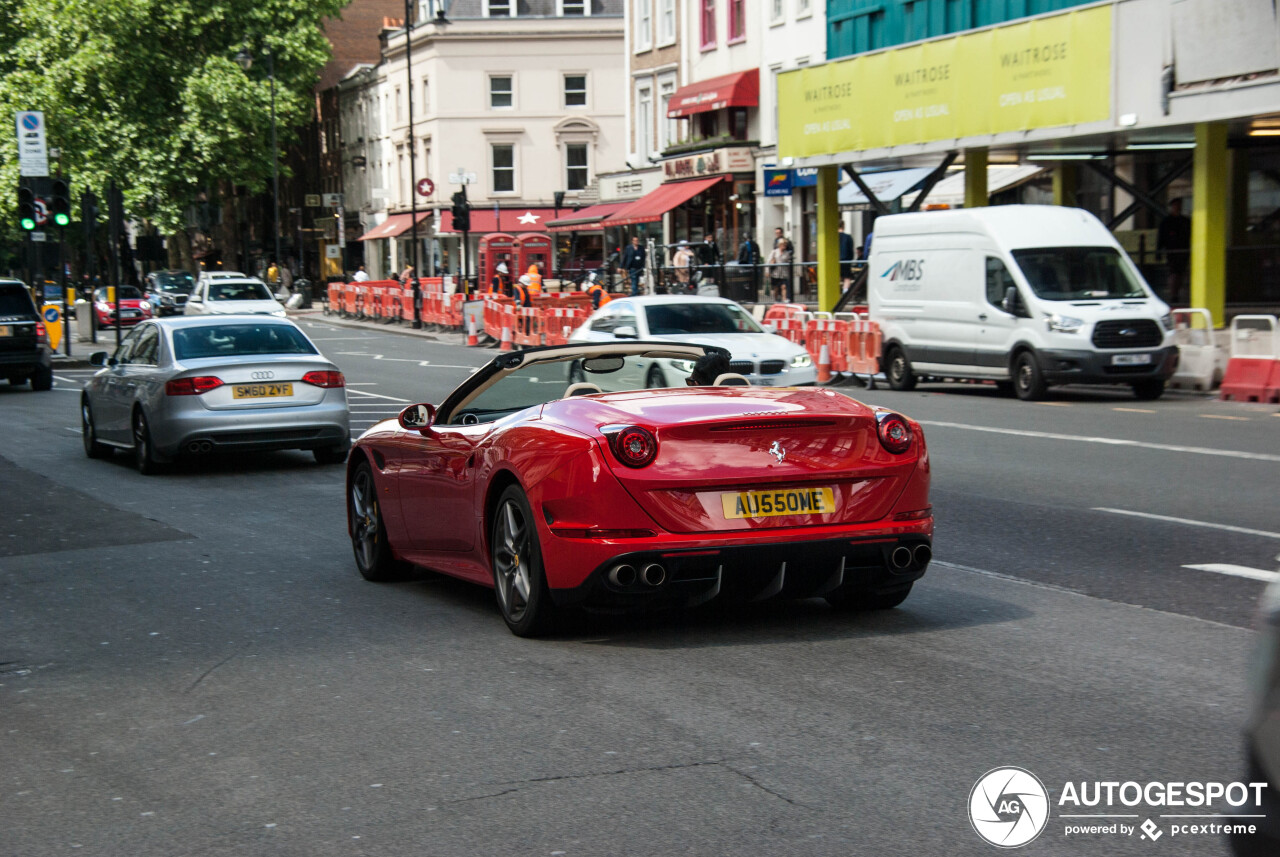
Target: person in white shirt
<point>360,276</point>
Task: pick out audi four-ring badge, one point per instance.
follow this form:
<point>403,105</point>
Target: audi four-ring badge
<point>192,386</point>
<point>559,477</point>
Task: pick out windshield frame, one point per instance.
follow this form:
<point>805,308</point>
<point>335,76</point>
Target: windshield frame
<point>1071,258</point>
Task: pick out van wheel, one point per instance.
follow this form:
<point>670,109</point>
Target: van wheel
<point>1149,390</point>
<point>1028,383</point>
<point>900,375</point>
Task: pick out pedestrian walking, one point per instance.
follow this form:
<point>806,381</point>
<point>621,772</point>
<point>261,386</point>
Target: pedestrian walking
<point>521,292</point>
<point>1174,240</point>
<point>847,256</point>
<point>682,261</point>
<point>779,263</point>
<point>778,237</point>
<point>748,251</point>
<point>286,281</point>
<point>273,273</point>
<point>633,259</point>
<point>361,275</point>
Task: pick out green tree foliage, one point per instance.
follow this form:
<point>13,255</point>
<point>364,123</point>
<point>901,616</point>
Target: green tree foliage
<point>148,92</point>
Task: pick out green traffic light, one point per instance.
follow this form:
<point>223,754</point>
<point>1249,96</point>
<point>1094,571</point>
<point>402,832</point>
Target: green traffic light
<point>61,219</point>
<point>28,223</point>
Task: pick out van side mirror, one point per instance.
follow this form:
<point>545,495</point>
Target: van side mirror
<point>1013,302</point>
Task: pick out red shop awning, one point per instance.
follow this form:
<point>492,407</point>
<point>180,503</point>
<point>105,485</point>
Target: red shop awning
<point>510,220</point>
<point>585,219</point>
<point>393,226</point>
<point>741,89</point>
<point>650,207</point>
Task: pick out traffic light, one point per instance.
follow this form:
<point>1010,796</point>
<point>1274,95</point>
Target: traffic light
<point>60,201</point>
<point>26,206</point>
<point>461,212</point>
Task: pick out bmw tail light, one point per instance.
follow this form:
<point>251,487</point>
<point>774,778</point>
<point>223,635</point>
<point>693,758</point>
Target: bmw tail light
<point>894,432</point>
<point>632,445</point>
<point>325,378</point>
<point>192,386</point>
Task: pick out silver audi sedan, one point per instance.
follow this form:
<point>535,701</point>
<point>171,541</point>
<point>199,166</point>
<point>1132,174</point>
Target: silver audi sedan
<point>190,386</point>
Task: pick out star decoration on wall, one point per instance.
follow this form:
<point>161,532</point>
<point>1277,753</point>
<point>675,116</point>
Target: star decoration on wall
<point>529,218</point>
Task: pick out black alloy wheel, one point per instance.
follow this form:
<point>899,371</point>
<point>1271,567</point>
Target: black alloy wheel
<point>899,373</point>
<point>516,559</point>
<point>374,558</point>
<point>144,457</point>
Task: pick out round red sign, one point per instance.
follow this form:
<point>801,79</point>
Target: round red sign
<point>426,187</point>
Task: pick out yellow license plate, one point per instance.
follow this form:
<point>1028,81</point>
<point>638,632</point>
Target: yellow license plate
<point>787,501</point>
<point>260,391</point>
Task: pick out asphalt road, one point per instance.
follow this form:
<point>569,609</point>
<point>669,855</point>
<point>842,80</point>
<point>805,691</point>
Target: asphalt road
<point>190,665</point>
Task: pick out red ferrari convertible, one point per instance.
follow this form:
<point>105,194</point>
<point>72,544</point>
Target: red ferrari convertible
<point>555,477</point>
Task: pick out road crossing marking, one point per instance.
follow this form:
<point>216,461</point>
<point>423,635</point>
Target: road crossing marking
<point>1112,441</point>
<point>378,396</point>
<point>1189,522</point>
<point>1236,571</point>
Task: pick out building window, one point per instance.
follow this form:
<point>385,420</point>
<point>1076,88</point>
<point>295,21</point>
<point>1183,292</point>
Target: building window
<point>738,123</point>
<point>668,132</point>
<point>500,91</point>
<point>574,8</point>
<point>398,119</point>
<point>497,8</point>
<point>504,167</point>
<point>426,97</point>
<point>575,166</point>
<point>737,21</point>
<point>804,8</point>
<point>644,121</point>
<point>775,12</point>
<point>666,21</point>
<point>644,24</point>
<point>708,24</point>
<point>575,90</point>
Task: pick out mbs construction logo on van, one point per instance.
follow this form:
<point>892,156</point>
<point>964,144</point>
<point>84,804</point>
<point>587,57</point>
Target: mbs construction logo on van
<point>1010,807</point>
<point>905,270</point>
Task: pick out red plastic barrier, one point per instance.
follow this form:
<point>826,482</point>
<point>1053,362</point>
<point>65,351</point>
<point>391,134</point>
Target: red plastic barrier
<point>1251,379</point>
<point>560,322</point>
<point>863,350</point>
<point>777,312</point>
<point>834,335</point>
<point>527,329</point>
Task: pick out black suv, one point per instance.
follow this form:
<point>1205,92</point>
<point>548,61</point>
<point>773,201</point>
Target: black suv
<point>24,347</point>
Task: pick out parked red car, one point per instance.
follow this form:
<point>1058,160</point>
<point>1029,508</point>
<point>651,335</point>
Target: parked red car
<point>133,307</point>
<point>552,475</point>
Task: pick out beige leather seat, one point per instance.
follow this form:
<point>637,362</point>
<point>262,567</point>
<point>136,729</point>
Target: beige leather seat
<point>582,388</point>
<point>731,379</point>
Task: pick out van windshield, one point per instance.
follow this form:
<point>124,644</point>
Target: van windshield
<point>1078,273</point>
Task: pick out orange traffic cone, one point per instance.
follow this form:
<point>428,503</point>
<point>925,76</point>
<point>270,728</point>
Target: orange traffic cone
<point>472,338</point>
<point>824,364</point>
<point>505,344</point>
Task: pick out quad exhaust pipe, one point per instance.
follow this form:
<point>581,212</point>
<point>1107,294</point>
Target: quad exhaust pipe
<point>200,447</point>
<point>900,557</point>
<point>922,554</point>
<point>625,576</point>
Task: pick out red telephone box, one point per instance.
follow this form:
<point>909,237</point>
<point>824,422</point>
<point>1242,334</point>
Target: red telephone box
<point>534,248</point>
<point>497,247</point>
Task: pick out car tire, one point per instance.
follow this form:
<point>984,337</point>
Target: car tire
<point>42,379</point>
<point>1149,390</point>
<point>331,454</point>
<point>92,446</point>
<point>1028,381</point>
<point>144,456</point>
<point>898,370</point>
<point>854,599</point>
<point>374,558</point>
<point>655,379</point>
<point>516,560</point>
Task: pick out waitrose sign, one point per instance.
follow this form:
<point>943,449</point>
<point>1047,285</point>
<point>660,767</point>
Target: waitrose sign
<point>1038,74</point>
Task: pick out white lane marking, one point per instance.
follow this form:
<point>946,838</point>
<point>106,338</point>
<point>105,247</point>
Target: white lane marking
<point>1222,417</point>
<point>67,380</point>
<point>1236,571</point>
<point>362,383</point>
<point>336,338</point>
<point>67,389</point>
<point>379,396</point>
<point>1111,441</point>
<point>1134,410</point>
<point>1190,522</point>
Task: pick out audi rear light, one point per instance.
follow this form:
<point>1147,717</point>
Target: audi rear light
<point>894,432</point>
<point>192,386</point>
<point>632,445</point>
<point>324,378</point>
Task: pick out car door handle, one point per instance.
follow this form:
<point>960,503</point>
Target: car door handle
<point>982,317</point>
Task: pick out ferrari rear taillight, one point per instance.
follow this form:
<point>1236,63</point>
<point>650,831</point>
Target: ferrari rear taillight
<point>894,432</point>
<point>632,445</point>
<point>192,386</point>
<point>325,378</point>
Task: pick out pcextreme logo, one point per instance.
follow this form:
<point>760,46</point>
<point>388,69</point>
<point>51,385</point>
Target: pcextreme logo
<point>905,269</point>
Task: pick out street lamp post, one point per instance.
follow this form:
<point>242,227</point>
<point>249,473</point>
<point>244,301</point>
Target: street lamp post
<point>413,171</point>
<point>245,60</point>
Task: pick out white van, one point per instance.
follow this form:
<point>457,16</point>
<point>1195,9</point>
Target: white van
<point>1025,295</point>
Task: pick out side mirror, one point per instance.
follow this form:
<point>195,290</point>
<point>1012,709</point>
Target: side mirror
<point>1013,302</point>
<point>417,418</point>
<point>98,358</point>
<point>625,332</point>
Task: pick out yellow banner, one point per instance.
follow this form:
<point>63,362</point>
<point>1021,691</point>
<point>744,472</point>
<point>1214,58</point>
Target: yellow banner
<point>1037,74</point>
